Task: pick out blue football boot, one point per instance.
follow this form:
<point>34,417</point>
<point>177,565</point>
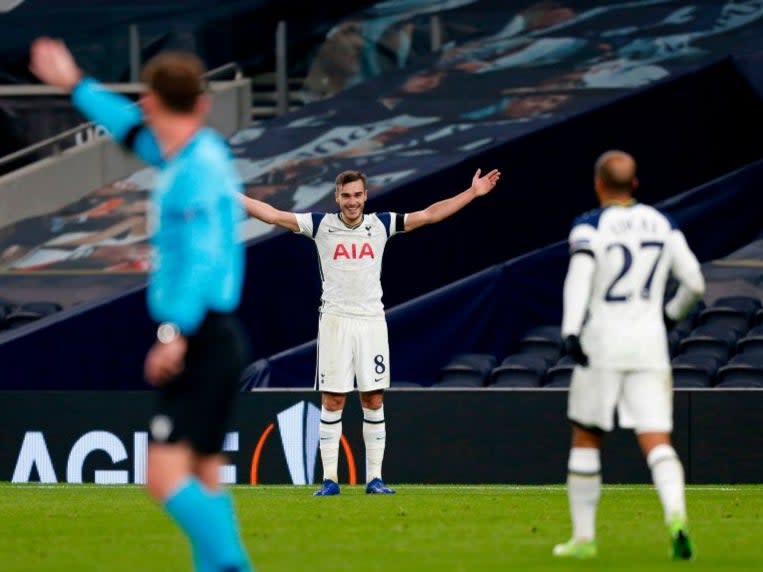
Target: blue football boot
<point>328,488</point>
<point>377,487</point>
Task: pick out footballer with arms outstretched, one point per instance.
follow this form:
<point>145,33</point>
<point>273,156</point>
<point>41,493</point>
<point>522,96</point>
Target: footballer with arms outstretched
<point>352,330</point>
<point>621,256</point>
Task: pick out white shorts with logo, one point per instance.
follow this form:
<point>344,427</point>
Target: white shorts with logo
<point>643,399</point>
<point>350,350</point>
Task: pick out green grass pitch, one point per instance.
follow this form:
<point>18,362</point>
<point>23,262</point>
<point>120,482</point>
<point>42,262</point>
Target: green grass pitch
<point>422,528</point>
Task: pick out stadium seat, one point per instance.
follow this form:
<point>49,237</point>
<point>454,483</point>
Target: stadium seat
<point>752,342</point>
<point>735,312</point>
<point>694,370</point>
<point>548,331</point>
<point>466,370</point>
<point>755,331</point>
<point>674,341</point>
<point>744,370</point>
<point>725,317</point>
<point>456,381</point>
<point>749,358</point>
<point>5,310</point>
<point>520,370</point>
<point>683,327</point>
<point>560,374</point>
<point>406,384</point>
<point>709,339</point>
<point>747,304</point>
<point>757,319</point>
<point>689,321</point>
<point>542,340</point>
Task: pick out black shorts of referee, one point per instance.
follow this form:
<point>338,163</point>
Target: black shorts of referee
<point>196,406</point>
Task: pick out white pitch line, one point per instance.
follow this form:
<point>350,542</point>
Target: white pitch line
<point>612,487</point>
<point>409,486</point>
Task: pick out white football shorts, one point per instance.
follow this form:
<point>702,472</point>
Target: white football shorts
<point>643,399</point>
<point>350,350</point>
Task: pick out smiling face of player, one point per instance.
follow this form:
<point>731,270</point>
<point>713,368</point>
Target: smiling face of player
<point>351,198</point>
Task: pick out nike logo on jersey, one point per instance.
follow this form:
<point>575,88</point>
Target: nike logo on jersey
<point>333,229</point>
<point>353,251</point>
<point>378,379</point>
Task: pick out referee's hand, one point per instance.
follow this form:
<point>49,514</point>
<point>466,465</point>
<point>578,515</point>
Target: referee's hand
<point>573,349</point>
<point>52,62</point>
<point>165,361</point>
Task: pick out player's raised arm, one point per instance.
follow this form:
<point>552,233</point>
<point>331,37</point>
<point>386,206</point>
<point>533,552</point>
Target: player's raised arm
<point>269,214</point>
<point>481,185</point>
<point>52,62</point>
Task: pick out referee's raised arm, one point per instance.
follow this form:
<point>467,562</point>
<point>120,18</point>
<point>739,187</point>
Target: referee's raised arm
<point>53,63</point>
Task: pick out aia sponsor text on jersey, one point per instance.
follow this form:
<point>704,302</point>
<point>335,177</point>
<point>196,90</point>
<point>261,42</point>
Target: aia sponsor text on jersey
<point>353,251</point>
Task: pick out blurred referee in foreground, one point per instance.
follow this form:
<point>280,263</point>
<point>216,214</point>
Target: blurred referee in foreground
<point>194,286</point>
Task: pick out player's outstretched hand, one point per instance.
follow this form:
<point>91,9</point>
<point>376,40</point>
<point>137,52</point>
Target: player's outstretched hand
<point>52,62</point>
<point>483,185</point>
<point>573,349</point>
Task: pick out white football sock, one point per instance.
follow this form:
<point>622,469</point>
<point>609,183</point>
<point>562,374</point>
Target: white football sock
<point>330,434</point>
<point>583,491</point>
<point>375,437</point>
<point>668,477</point>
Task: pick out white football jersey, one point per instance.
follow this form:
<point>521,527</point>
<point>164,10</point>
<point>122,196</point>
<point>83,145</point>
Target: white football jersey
<point>634,249</point>
<point>351,260</point>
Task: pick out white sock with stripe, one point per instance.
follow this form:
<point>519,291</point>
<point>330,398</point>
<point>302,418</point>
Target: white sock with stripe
<point>668,477</point>
<point>583,491</point>
<point>330,435</point>
<point>375,438</point>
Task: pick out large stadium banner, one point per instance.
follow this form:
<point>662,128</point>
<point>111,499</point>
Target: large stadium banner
<point>447,436</point>
<point>505,69</point>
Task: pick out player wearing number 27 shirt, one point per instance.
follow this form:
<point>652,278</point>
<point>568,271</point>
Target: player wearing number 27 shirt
<point>613,326</point>
<point>352,330</point>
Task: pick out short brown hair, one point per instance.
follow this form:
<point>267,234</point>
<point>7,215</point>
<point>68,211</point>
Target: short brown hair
<point>177,78</point>
<point>350,176</point>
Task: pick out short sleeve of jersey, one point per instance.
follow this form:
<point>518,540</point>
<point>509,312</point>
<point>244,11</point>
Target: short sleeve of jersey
<point>308,223</point>
<point>305,222</point>
<point>582,239</point>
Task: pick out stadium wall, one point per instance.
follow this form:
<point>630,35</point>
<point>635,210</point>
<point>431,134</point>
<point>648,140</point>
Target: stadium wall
<point>498,436</point>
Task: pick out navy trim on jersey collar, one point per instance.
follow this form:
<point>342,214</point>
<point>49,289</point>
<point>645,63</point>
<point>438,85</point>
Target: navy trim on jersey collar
<point>591,217</point>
